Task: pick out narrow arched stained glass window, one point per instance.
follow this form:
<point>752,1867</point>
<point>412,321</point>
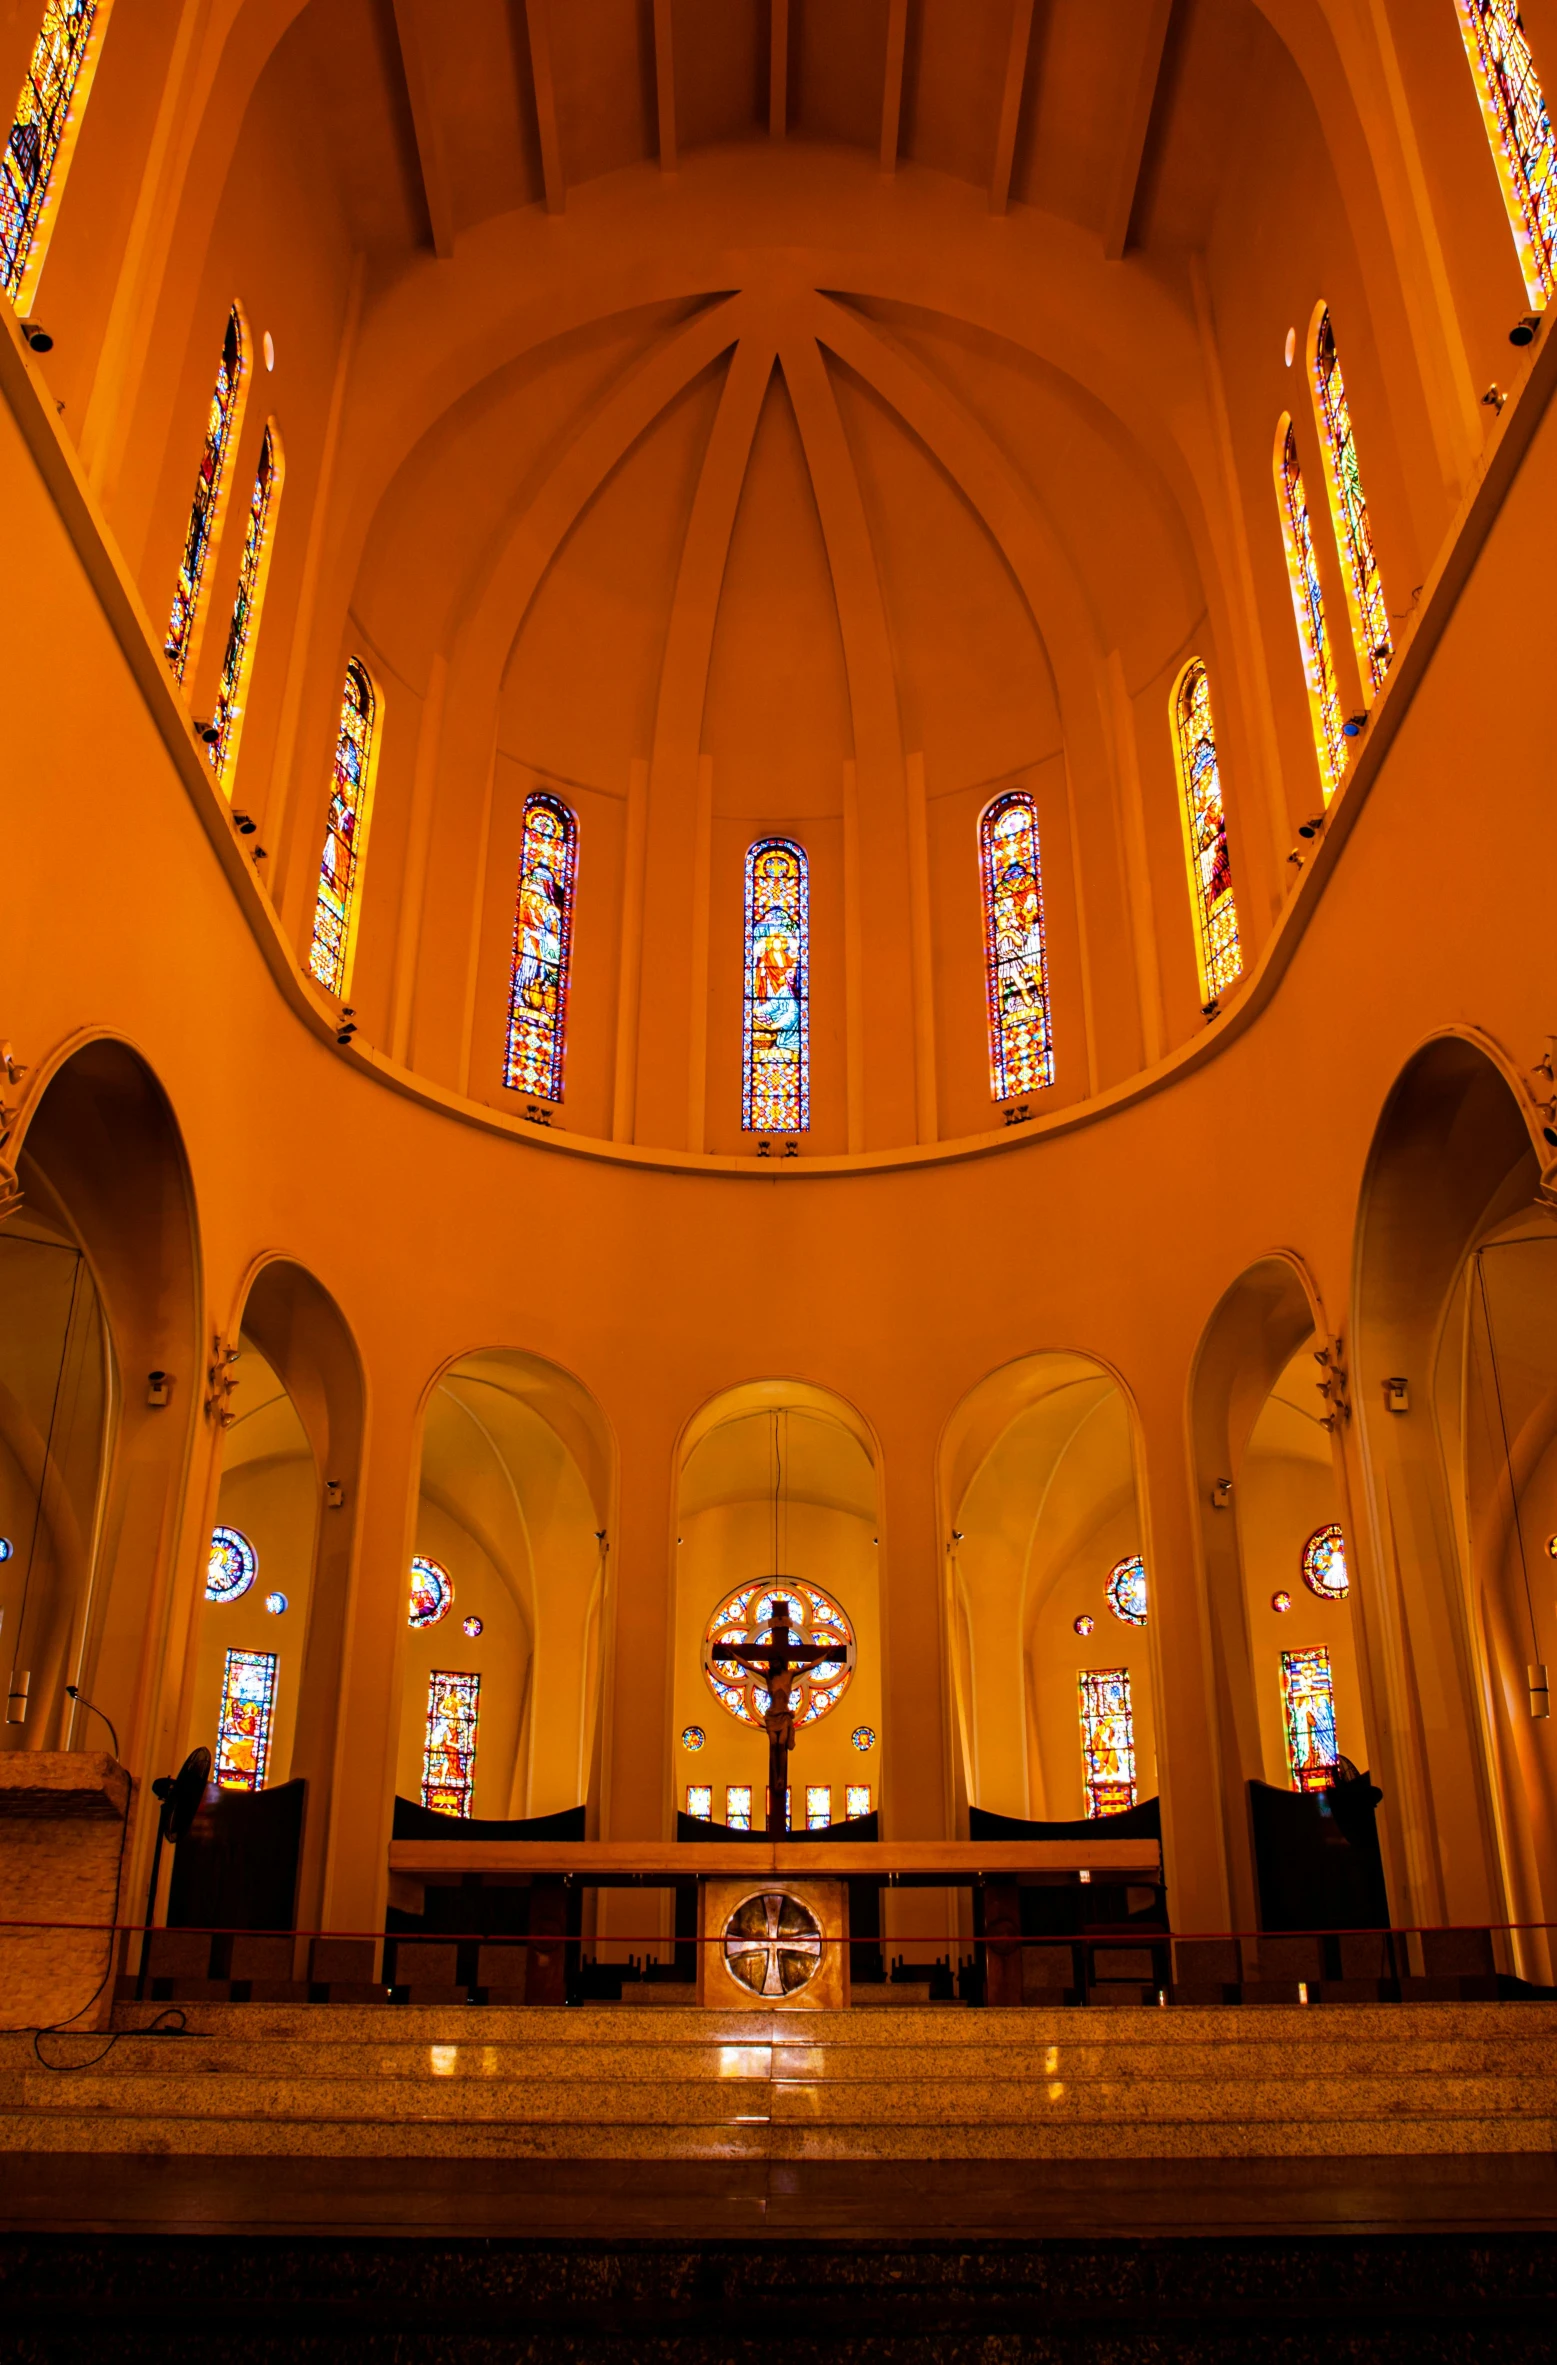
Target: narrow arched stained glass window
<point>776,1035</point>
<point>449,1755</point>
<point>243,631</point>
<point>1519,131</point>
<point>1021,1043</point>
<point>543,944</point>
<point>1308,606</point>
<point>1107,1740</point>
<point>1215,912</point>
<point>221,434</point>
<point>1308,1718</point>
<point>345,828</point>
<point>1371,635</point>
<point>47,108</point>
<point>245,1719</point>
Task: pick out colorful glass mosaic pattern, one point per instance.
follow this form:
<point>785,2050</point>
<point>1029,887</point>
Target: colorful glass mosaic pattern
<point>1308,607</point>
<point>747,1617</point>
<point>1126,1590</point>
<point>1324,1564</point>
<point>856,1800</point>
<point>432,1592</point>
<point>863,1738</point>
<point>700,1801</point>
<point>1107,1740</point>
<point>543,943</point>
<point>37,134</point>
<point>221,433</point>
<point>1205,834</point>
<point>232,1567</point>
<point>242,632</point>
<point>471,1628</point>
<point>247,1714</point>
<point>693,1738</point>
<point>1308,1716</point>
<point>776,1039</point>
<point>737,1806</point>
<point>1021,1045</point>
<point>330,952</point>
<point>1519,129</point>
<point>819,1805</point>
<point>449,1758</point>
<point>1374,641</point>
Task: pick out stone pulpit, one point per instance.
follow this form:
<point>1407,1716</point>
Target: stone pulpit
<point>63,1852</point>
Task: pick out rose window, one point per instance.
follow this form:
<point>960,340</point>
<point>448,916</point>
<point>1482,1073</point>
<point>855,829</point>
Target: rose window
<point>746,1618</point>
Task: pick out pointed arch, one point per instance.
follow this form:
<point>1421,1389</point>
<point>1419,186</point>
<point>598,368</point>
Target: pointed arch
<point>334,942</point>
<point>776,1037</point>
<point>44,124</point>
<point>543,946</point>
<point>1308,606</point>
<point>205,511</point>
<point>1021,1038</point>
<point>1217,945</point>
<point>243,632</point>
<point>1371,636</point>
<point>1519,133</point>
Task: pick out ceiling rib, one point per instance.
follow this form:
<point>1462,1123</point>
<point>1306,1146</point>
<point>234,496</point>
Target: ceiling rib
<point>546,105</point>
<point>1011,104</point>
<point>1127,181</point>
<point>429,145</point>
<point>778,68</point>
<point>892,88</point>
<point>665,84</point>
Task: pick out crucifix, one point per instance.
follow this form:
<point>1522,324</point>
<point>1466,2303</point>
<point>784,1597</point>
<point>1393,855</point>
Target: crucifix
<point>777,1662</point>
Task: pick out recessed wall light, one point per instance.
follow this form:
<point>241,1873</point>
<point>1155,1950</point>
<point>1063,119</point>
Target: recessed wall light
<point>270,351</point>
<point>1288,350</point>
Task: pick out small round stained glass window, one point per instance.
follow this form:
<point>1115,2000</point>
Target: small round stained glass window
<point>472,1627</point>
<point>1084,1624</point>
<point>232,1567</point>
<point>432,1592</point>
<point>863,1738</point>
<point>276,1603</point>
<point>1324,1564</point>
<point>1281,1601</point>
<point>6,1547</point>
<point>1126,1590</point>
<point>745,1621</point>
<point>693,1738</point>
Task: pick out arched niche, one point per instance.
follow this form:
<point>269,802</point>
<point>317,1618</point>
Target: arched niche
<point>288,1484</point>
<point>1457,1269</point>
<point>515,1484</point>
<point>1039,1475</point>
<point>1266,1483</point>
<point>99,1266</point>
<point>777,1478</point>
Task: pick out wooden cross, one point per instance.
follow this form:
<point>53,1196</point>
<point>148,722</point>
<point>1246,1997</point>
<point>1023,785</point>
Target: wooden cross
<point>776,1662</point>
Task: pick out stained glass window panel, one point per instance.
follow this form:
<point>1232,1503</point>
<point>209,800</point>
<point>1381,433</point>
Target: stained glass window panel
<point>449,1759</point>
<point>857,1800</point>
<point>1519,129</point>
<point>432,1592</point>
<point>737,1806</point>
<point>1308,606</point>
<point>543,943</point>
<point>210,486</point>
<point>1349,511</point>
<point>748,1617</point>
<point>700,1801</point>
<point>329,954</point>
<point>819,1805</point>
<point>242,632</point>
<point>28,171</point>
<point>776,1041</point>
<point>1205,834</point>
<point>1324,1564</point>
<point>1107,1740</point>
<point>1308,1715</point>
<point>232,1566</point>
<point>247,1713</point>
<point>1126,1590</point>
<point>1021,1047</point>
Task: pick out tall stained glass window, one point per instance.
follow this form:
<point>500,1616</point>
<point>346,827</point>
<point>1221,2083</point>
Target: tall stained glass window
<point>819,1805</point>
<point>221,434</point>
<point>776,1043</point>
<point>449,1758</point>
<point>543,943</point>
<point>1021,1045</point>
<point>242,632</point>
<point>1205,834</point>
<point>1107,1740</point>
<point>1308,605</point>
<point>47,109</point>
<point>700,1801</point>
<point>1371,635</point>
<point>1519,130</point>
<point>247,1714</point>
<point>329,955</point>
<point>856,1800</point>
<point>1308,1716</point>
<point>737,1806</point>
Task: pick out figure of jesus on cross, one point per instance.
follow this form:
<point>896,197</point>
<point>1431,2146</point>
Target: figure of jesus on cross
<point>776,1663</point>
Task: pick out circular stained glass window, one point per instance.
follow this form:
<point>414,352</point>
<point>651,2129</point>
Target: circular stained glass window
<point>6,1547</point>
<point>232,1567</point>
<point>1281,1601</point>
<point>1126,1590</point>
<point>1324,1564</point>
<point>863,1738</point>
<point>472,1627</point>
<point>1084,1624</point>
<point>745,1620</point>
<point>432,1592</point>
<point>276,1604</point>
<point>693,1738</point>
